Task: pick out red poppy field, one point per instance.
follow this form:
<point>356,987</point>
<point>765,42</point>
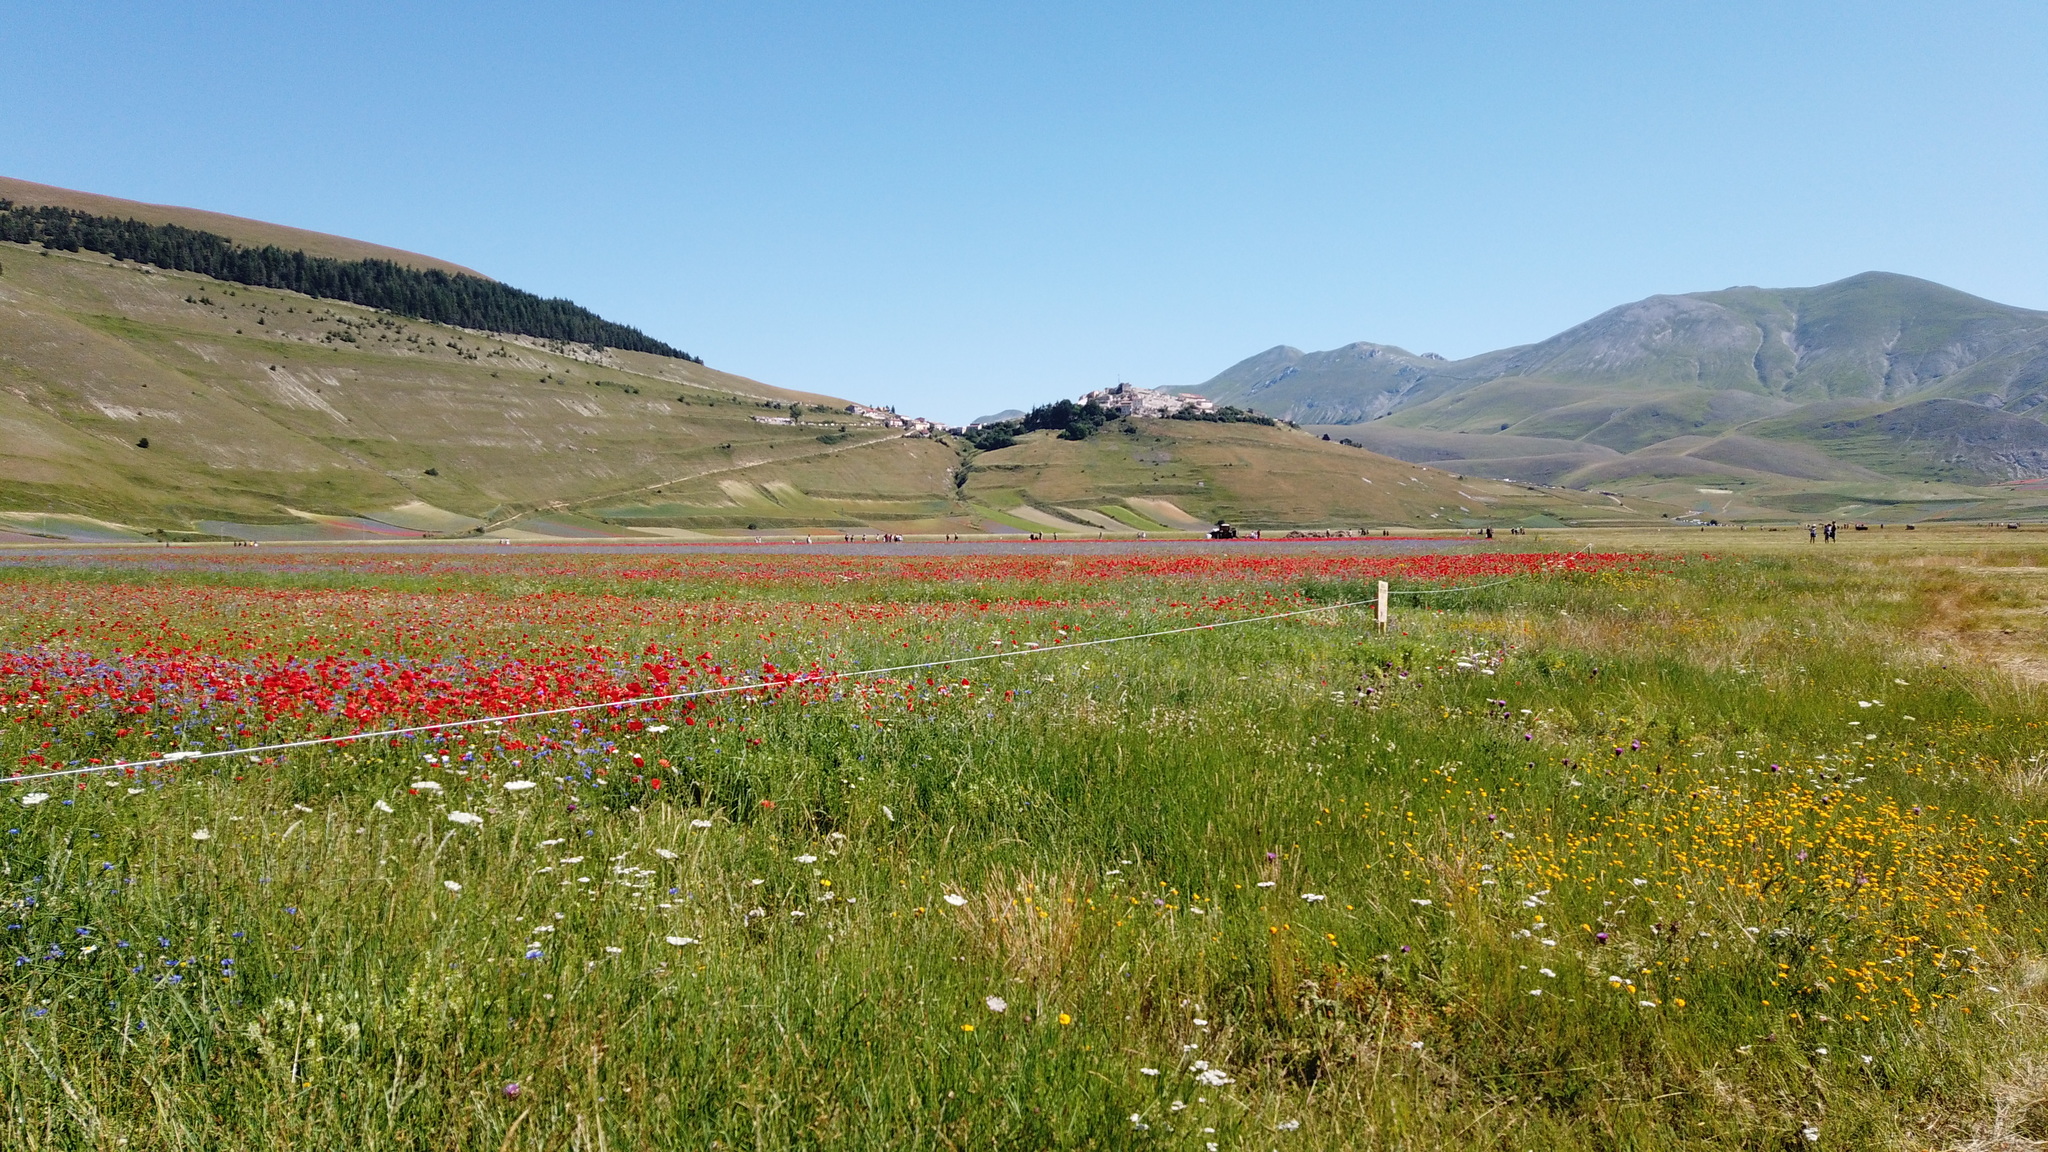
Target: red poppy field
<point>545,847</point>
<point>211,665</point>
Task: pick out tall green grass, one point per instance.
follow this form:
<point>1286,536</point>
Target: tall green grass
<point>1080,807</point>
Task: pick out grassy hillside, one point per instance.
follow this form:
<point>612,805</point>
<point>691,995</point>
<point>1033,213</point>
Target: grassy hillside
<point>257,405</point>
<point>1736,475</point>
<point>432,296</point>
<point>1875,336</point>
<point>252,233</point>
<point>1871,382</point>
<point>1256,475</point>
<point>270,415</point>
<point>1348,385</point>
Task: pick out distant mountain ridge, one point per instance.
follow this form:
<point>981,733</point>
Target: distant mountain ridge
<point>1873,336</point>
<point>1853,369</point>
<point>1345,385</point>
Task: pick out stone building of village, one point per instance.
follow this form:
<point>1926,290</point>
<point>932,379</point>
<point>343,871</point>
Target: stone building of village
<point>1131,400</point>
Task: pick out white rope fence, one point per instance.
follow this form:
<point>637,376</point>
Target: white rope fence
<point>1379,604</point>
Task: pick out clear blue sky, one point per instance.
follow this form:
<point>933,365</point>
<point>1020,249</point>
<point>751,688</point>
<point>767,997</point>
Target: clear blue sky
<point>957,208</point>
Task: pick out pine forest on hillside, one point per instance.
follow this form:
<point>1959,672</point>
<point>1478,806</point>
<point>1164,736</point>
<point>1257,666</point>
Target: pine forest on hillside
<point>463,301</point>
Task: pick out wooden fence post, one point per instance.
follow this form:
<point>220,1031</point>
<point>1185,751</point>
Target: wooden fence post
<point>1379,611</point>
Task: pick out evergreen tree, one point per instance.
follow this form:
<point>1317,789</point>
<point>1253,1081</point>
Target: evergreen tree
<point>432,295</point>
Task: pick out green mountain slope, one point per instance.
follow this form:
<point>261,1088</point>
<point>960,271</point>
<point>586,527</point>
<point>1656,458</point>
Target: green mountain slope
<point>1876,336</point>
<point>1872,336</point>
<point>430,295</point>
<point>252,233</point>
<point>136,400</point>
<point>1876,378</point>
<point>1176,473</point>
<point>259,405</point>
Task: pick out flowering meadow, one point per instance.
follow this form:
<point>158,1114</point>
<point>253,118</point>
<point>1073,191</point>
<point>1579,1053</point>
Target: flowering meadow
<point>832,848</point>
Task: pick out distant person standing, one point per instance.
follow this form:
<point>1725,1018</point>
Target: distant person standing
<point>1812,533</point>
